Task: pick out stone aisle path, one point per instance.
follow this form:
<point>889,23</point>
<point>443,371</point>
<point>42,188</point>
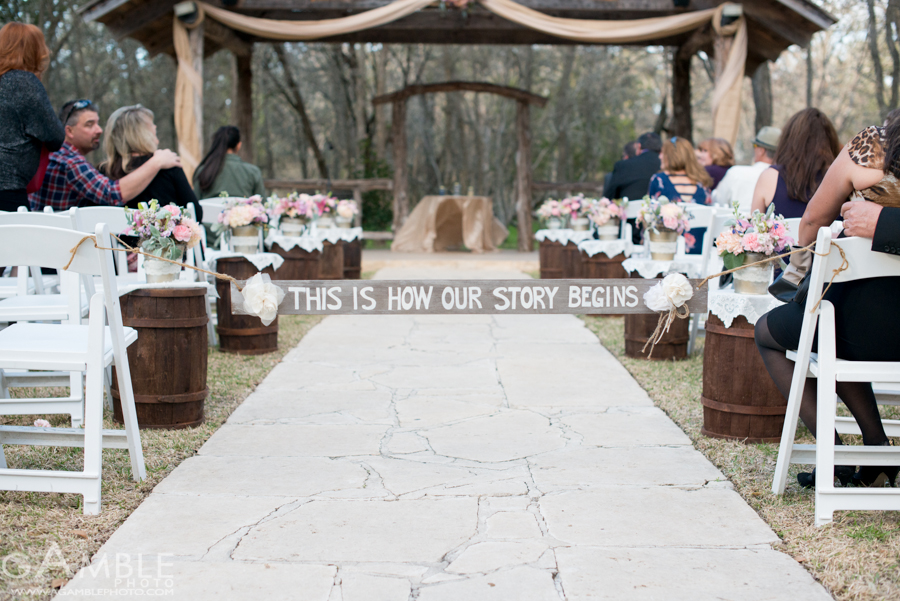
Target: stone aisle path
<point>430,458</point>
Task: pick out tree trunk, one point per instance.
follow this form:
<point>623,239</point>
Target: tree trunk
<point>242,112</point>
<point>762,96</point>
<point>563,116</point>
<point>380,88</point>
<point>398,142</point>
<point>296,100</point>
<point>682,117</point>
<point>523,177</point>
<point>195,36</point>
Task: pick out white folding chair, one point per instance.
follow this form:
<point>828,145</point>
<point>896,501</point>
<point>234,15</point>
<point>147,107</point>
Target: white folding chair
<point>88,348</point>
<point>196,257</point>
<point>701,217</point>
<point>212,208</point>
<point>115,220</point>
<point>827,369</point>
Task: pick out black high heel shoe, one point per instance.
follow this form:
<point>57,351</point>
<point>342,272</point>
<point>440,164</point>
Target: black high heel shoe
<point>844,473</point>
<point>876,476</point>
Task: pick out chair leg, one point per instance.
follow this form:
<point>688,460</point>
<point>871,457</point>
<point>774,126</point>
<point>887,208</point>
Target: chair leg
<point>76,390</point>
<point>826,406</point>
<point>791,417</point>
<point>107,387</point>
<point>210,326</point>
<point>692,340</point>
<point>129,416</point>
<point>3,465</point>
<point>93,443</point>
<point>4,386</point>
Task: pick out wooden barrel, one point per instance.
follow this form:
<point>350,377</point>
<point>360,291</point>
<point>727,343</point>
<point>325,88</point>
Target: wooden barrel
<point>740,400</point>
<point>673,345</point>
<point>331,261</point>
<point>559,261</point>
<point>353,260</point>
<point>602,267</point>
<point>242,334</point>
<point>298,264</point>
<point>168,360</point>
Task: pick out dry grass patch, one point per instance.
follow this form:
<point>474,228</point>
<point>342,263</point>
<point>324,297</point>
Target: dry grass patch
<point>857,557</point>
<point>33,524</point>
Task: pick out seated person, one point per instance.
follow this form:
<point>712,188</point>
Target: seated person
<point>631,176</point>
<point>71,181</point>
<point>130,143</point>
<point>222,170</point>
<point>717,157</point>
<point>682,179</point>
<point>740,181</point>
<point>866,324</point>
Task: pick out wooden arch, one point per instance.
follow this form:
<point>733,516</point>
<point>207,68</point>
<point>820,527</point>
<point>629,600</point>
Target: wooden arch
<point>523,156</point>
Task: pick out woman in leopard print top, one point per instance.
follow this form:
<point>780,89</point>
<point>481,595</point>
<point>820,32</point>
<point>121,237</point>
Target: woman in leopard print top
<point>866,320</point>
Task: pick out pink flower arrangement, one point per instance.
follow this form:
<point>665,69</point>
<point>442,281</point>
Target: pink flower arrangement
<point>601,211</point>
<point>294,205</point>
<point>164,232</point>
<point>553,208</point>
<point>324,203</point>
<point>242,211</point>
<point>766,234</point>
<point>659,213</point>
<point>347,209</point>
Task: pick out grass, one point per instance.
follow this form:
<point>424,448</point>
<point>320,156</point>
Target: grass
<point>33,526</point>
<point>857,557</point>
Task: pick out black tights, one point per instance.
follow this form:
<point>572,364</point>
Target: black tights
<point>857,396</point>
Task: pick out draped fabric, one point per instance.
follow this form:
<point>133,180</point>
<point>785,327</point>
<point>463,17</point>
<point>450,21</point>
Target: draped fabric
<point>188,99</point>
<point>439,223</point>
<point>726,100</point>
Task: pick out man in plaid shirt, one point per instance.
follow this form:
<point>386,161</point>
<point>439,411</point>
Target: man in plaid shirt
<point>71,181</point>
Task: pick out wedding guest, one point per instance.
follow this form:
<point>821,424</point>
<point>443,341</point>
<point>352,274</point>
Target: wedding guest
<point>130,143</point>
<point>29,129</point>
<point>740,181</point>
<point>682,179</point>
<point>629,151</point>
<point>72,181</point>
<point>867,328</point>
<point>222,169</point>
<point>808,146</point>
<point>717,157</point>
<point>631,177</point>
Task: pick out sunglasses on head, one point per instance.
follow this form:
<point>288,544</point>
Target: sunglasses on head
<point>674,139</point>
<point>75,106</point>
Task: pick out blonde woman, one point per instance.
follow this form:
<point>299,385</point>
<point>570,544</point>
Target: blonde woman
<point>682,179</point>
<point>130,142</point>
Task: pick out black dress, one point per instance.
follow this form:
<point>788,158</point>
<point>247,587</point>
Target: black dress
<point>867,324</point>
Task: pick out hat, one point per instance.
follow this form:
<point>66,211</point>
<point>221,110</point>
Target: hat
<point>768,137</point>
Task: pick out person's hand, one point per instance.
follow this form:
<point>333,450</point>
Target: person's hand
<point>860,218</point>
<point>166,159</point>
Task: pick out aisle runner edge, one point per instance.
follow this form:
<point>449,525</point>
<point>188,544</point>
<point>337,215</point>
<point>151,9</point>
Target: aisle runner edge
<point>466,297</point>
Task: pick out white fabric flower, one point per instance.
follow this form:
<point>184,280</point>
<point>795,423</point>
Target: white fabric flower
<point>262,297</point>
<point>656,299</point>
<point>677,289</point>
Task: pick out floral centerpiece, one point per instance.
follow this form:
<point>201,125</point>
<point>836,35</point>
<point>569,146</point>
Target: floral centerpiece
<point>345,211</point>
<point>607,216</point>
<point>243,217</point>
<point>747,241</point>
<point>579,211</point>
<point>553,213</point>
<point>164,232</point>
<point>325,206</point>
<point>292,212</point>
<point>664,221</point>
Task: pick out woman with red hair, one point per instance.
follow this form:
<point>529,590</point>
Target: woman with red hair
<point>29,127</point>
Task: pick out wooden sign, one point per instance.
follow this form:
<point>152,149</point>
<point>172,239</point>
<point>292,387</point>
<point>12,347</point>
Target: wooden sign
<point>466,297</point>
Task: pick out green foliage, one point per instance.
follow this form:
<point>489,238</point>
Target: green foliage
<point>732,261</point>
<point>377,209</point>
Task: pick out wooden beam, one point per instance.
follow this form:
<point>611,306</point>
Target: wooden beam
<point>195,36</point>
<point>126,23</point>
<point>523,177</point>
<point>226,38</point>
<point>364,185</point>
<point>682,118</point>
<point>621,9</point>
<point>462,86</point>
<point>242,109</point>
<point>398,142</point>
<point>97,10</point>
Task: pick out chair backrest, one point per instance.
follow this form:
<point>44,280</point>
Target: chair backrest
<point>196,256</point>
<point>49,247</point>
<point>115,218</point>
<point>863,262</point>
<point>793,226</point>
<point>64,220</point>
<point>633,208</point>
<point>212,207</point>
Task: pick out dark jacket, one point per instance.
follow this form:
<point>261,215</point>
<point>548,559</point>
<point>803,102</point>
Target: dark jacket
<point>170,186</point>
<point>887,232</point>
<point>631,177</point>
<point>27,122</point>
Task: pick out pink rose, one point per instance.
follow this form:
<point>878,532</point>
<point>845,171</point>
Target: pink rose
<point>183,233</point>
<point>670,222</point>
<point>751,242</point>
<point>173,210</point>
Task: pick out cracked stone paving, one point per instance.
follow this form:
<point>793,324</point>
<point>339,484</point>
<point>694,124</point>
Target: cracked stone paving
<point>448,458</point>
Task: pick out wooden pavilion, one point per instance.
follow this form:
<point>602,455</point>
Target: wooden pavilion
<point>768,27</point>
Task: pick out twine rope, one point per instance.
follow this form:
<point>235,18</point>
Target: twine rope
<point>662,326</point>
<point>131,249</point>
